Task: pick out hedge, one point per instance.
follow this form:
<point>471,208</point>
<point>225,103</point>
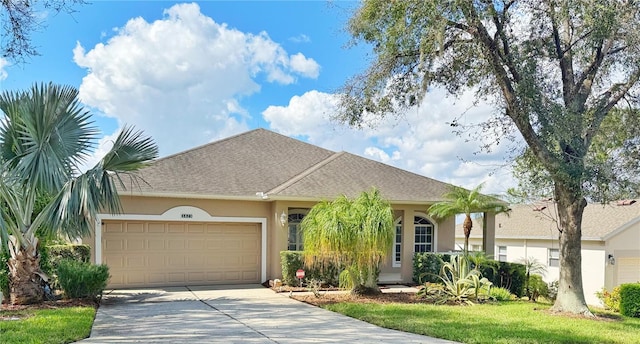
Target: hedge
<point>630,300</point>
<point>293,260</point>
<point>427,265</point>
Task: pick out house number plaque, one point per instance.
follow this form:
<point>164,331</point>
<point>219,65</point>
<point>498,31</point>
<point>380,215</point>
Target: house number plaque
<point>186,216</point>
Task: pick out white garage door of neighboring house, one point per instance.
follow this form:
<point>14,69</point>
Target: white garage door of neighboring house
<point>628,270</point>
<point>153,253</point>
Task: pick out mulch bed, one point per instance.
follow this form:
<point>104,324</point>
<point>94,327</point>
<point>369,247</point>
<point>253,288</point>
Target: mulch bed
<point>327,299</point>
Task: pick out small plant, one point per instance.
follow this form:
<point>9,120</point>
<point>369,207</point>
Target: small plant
<point>314,286</point>
<point>610,300</point>
<point>82,280</point>
<point>431,291</point>
<point>462,284</point>
<point>500,294</point>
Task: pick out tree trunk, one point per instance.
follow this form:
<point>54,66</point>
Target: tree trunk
<point>466,226</point>
<point>571,205</point>
<point>24,278</point>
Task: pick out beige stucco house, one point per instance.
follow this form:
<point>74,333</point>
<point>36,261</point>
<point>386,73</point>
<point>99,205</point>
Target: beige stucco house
<point>222,213</point>
<point>610,242</point>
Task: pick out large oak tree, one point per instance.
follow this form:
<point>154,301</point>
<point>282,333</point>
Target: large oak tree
<point>556,70</point>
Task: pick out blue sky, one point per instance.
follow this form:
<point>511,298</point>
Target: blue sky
<point>191,73</point>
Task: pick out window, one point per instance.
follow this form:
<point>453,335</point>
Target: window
<point>554,257</point>
<point>295,235</point>
<point>397,246</point>
<point>423,235</point>
<point>424,238</point>
<point>502,253</point>
<point>476,248</point>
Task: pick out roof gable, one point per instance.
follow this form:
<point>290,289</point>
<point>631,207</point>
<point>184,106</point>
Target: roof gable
<point>279,166</point>
<point>599,221</point>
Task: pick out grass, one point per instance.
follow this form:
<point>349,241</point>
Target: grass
<point>58,325</point>
<point>507,322</point>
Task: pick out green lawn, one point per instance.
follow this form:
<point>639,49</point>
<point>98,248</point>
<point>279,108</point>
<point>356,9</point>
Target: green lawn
<point>61,325</point>
<point>509,322</point>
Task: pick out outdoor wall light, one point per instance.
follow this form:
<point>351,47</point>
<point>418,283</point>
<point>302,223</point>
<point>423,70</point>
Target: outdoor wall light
<point>611,259</point>
<point>283,218</point>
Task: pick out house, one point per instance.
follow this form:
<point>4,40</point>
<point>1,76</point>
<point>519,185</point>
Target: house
<point>222,213</point>
<point>610,242</point>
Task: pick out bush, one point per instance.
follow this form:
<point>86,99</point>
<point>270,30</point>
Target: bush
<point>511,276</point>
<point>82,280</point>
<point>427,266</point>
<point>553,290</point>
<point>537,287</point>
<point>630,300</point>
<point>293,260</point>
<point>500,294</point>
<point>54,254</point>
<point>610,300</point>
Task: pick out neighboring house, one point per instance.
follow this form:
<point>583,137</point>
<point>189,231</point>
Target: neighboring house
<point>610,242</point>
<point>222,213</point>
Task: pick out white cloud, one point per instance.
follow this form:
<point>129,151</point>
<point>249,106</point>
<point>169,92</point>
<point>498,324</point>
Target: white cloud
<point>301,38</point>
<point>305,66</point>
<point>179,78</point>
<point>422,141</point>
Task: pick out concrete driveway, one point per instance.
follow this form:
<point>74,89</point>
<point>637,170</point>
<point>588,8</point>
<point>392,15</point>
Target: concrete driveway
<point>228,314</point>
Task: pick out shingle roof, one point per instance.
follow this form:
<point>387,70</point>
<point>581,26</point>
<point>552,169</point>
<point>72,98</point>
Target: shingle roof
<point>264,161</point>
<point>523,222</point>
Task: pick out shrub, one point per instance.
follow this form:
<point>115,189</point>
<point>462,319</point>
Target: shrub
<point>80,253</point>
<point>500,294</point>
<point>461,284</point>
<point>427,266</point>
<point>610,300</point>
<point>630,300</point>
<point>506,275</point>
<point>54,254</point>
<point>293,260</point>
<point>537,287</point>
<point>82,280</point>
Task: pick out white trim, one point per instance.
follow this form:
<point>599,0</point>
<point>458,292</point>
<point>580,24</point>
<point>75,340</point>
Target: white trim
<point>394,262</point>
<point>435,230</point>
<point>175,214</point>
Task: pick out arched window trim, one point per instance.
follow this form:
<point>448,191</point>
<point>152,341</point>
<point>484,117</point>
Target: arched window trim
<point>397,244</point>
<point>294,236</point>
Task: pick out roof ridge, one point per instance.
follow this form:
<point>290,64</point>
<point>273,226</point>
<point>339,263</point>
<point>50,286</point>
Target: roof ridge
<point>210,143</point>
<point>400,169</point>
<point>304,173</point>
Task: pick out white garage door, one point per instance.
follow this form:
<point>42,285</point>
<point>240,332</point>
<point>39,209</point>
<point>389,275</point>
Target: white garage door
<point>628,270</point>
<point>147,254</point>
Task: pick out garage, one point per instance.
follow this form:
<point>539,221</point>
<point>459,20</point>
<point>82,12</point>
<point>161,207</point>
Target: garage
<point>628,270</point>
<point>164,253</point>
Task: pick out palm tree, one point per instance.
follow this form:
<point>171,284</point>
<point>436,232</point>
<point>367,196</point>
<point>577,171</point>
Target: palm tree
<point>462,201</point>
<point>44,138</point>
<point>357,234</point>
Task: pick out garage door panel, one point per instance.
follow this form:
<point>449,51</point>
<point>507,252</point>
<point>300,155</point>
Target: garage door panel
<point>175,244</point>
<point>171,253</point>
<point>155,244</point>
<point>628,269</point>
<point>135,244</point>
<point>176,228</point>
<point>136,227</point>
